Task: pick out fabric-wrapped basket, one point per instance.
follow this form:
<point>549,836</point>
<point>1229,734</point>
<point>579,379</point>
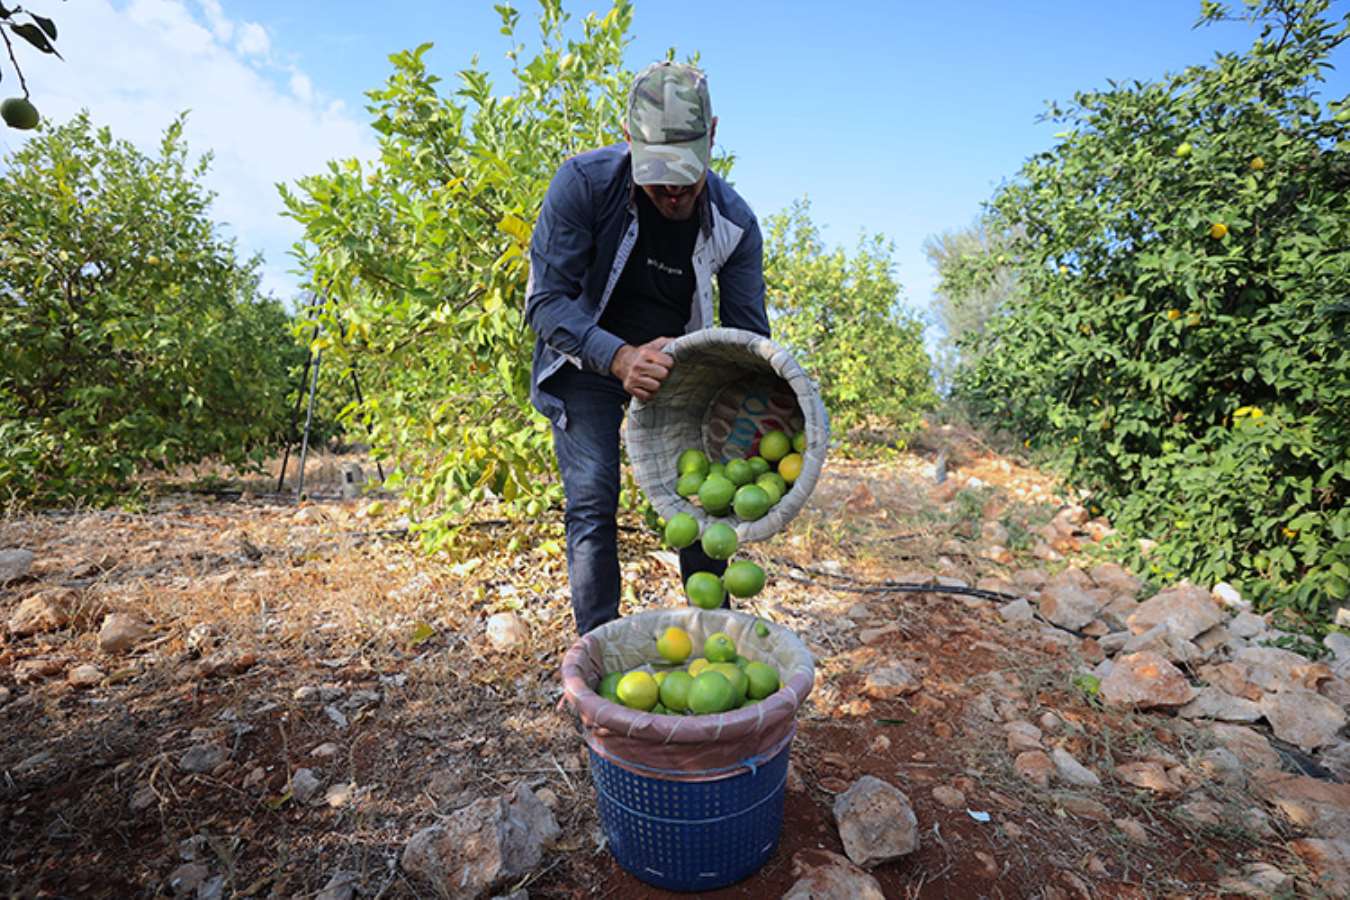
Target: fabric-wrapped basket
<point>728,388</point>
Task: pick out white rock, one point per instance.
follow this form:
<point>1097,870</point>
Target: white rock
<point>202,758</point>
<point>42,612</point>
<point>1067,605</point>
<point>483,845</point>
<point>876,822</point>
<point>1247,625</point>
<point>822,875</point>
<point>304,785</point>
<point>1186,607</point>
<point>121,632</point>
<point>14,564</point>
<point>1017,611</point>
<point>1071,770</point>
<point>1212,703</point>
<point>1257,880</point>
<point>342,886</point>
<point>325,750</point>
<point>1228,595</point>
<point>889,682</point>
<point>84,676</point>
<point>339,795</point>
<point>1303,717</point>
<point>1145,680</point>
<point>506,630</point>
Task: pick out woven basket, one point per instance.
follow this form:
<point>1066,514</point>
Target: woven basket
<point>727,388</point>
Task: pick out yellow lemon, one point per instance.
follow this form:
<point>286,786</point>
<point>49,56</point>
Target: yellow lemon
<point>1258,164</point>
<point>1218,230</point>
<point>638,690</point>
<point>791,467</point>
<point>1173,315</point>
<point>697,666</point>
<point>674,645</point>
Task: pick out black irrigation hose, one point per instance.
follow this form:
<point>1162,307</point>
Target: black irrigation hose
<point>893,587</point>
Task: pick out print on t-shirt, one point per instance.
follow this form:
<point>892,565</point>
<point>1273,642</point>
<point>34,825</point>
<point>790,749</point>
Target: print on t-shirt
<point>654,293</point>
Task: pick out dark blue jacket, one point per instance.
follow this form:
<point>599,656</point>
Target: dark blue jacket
<point>586,230</point>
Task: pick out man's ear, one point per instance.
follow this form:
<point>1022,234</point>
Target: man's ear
<point>712,133</point>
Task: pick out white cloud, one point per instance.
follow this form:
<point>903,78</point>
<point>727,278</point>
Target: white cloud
<point>301,86</point>
<point>137,65</point>
<point>253,40</point>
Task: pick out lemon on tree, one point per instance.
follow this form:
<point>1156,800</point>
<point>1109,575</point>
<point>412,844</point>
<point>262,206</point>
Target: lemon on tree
<point>719,647</point>
<point>681,530</point>
<point>19,113</point>
<point>763,680</point>
<point>710,693</point>
<point>638,690</point>
<point>743,579</point>
<point>675,691</point>
<point>705,590</point>
<point>774,446</point>
<point>716,494</point>
<point>719,540</point>
<point>751,503</point>
<point>674,645</point>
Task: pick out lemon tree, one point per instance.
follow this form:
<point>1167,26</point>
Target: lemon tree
<point>1178,337</point>
<point>843,318</point>
<point>134,337</point>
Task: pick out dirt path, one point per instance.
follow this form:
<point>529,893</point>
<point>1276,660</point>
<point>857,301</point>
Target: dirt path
<point>319,640</point>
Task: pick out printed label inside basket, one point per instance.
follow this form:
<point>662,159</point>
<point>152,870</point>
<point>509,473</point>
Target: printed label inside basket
<point>744,411</point>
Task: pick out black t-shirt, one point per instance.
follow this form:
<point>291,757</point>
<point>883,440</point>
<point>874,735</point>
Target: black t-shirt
<point>653,295</point>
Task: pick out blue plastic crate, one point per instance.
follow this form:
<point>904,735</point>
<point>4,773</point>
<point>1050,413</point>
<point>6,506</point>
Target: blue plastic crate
<point>691,836</point>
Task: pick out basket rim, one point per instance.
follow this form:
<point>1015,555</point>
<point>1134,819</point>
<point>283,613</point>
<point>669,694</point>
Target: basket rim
<point>641,434</point>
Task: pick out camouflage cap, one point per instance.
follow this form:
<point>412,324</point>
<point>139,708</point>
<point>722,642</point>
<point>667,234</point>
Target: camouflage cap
<point>669,119</point>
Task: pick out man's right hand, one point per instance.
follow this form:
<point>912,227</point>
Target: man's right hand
<point>642,369</point>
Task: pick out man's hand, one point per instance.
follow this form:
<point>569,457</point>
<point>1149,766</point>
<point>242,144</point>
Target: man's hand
<point>642,369</point>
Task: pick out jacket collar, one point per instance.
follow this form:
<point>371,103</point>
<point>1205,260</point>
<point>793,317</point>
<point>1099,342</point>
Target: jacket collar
<point>704,204</point>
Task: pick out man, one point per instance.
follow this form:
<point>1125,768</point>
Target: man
<point>621,261</point>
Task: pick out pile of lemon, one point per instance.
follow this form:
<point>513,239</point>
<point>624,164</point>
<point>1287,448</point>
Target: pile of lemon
<point>718,681</point>
<point>747,488</point>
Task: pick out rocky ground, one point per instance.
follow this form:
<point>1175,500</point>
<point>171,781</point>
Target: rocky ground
<point>223,695</point>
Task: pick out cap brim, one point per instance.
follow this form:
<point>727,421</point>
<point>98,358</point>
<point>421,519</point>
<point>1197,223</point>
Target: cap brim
<point>683,163</point>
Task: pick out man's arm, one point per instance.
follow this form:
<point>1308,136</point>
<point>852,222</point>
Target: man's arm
<point>740,284</point>
<point>561,249</point>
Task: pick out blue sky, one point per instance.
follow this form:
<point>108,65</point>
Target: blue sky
<point>893,117</point>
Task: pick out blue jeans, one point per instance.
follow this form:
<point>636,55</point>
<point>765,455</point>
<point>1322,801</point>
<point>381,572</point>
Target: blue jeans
<point>588,460</point>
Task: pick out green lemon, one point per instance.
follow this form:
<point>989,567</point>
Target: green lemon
<point>18,112</point>
<point>705,590</point>
<point>638,690</point>
<point>659,710</point>
<point>774,446</point>
<point>770,488</point>
<point>681,530</point>
<point>716,494</point>
<point>675,691</point>
<point>718,469</point>
<point>743,579</point>
<point>688,484</point>
<point>751,503</point>
<point>710,693</point>
<point>761,629</point>
<point>763,680</point>
<point>609,686</point>
<point>759,465</point>
<point>773,478</point>
<point>692,461</point>
<point>719,647</point>
<point>799,442</point>
<point>719,540</point>
<point>739,472</point>
<point>740,683</point>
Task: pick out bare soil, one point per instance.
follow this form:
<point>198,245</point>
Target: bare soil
<point>255,606</point>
